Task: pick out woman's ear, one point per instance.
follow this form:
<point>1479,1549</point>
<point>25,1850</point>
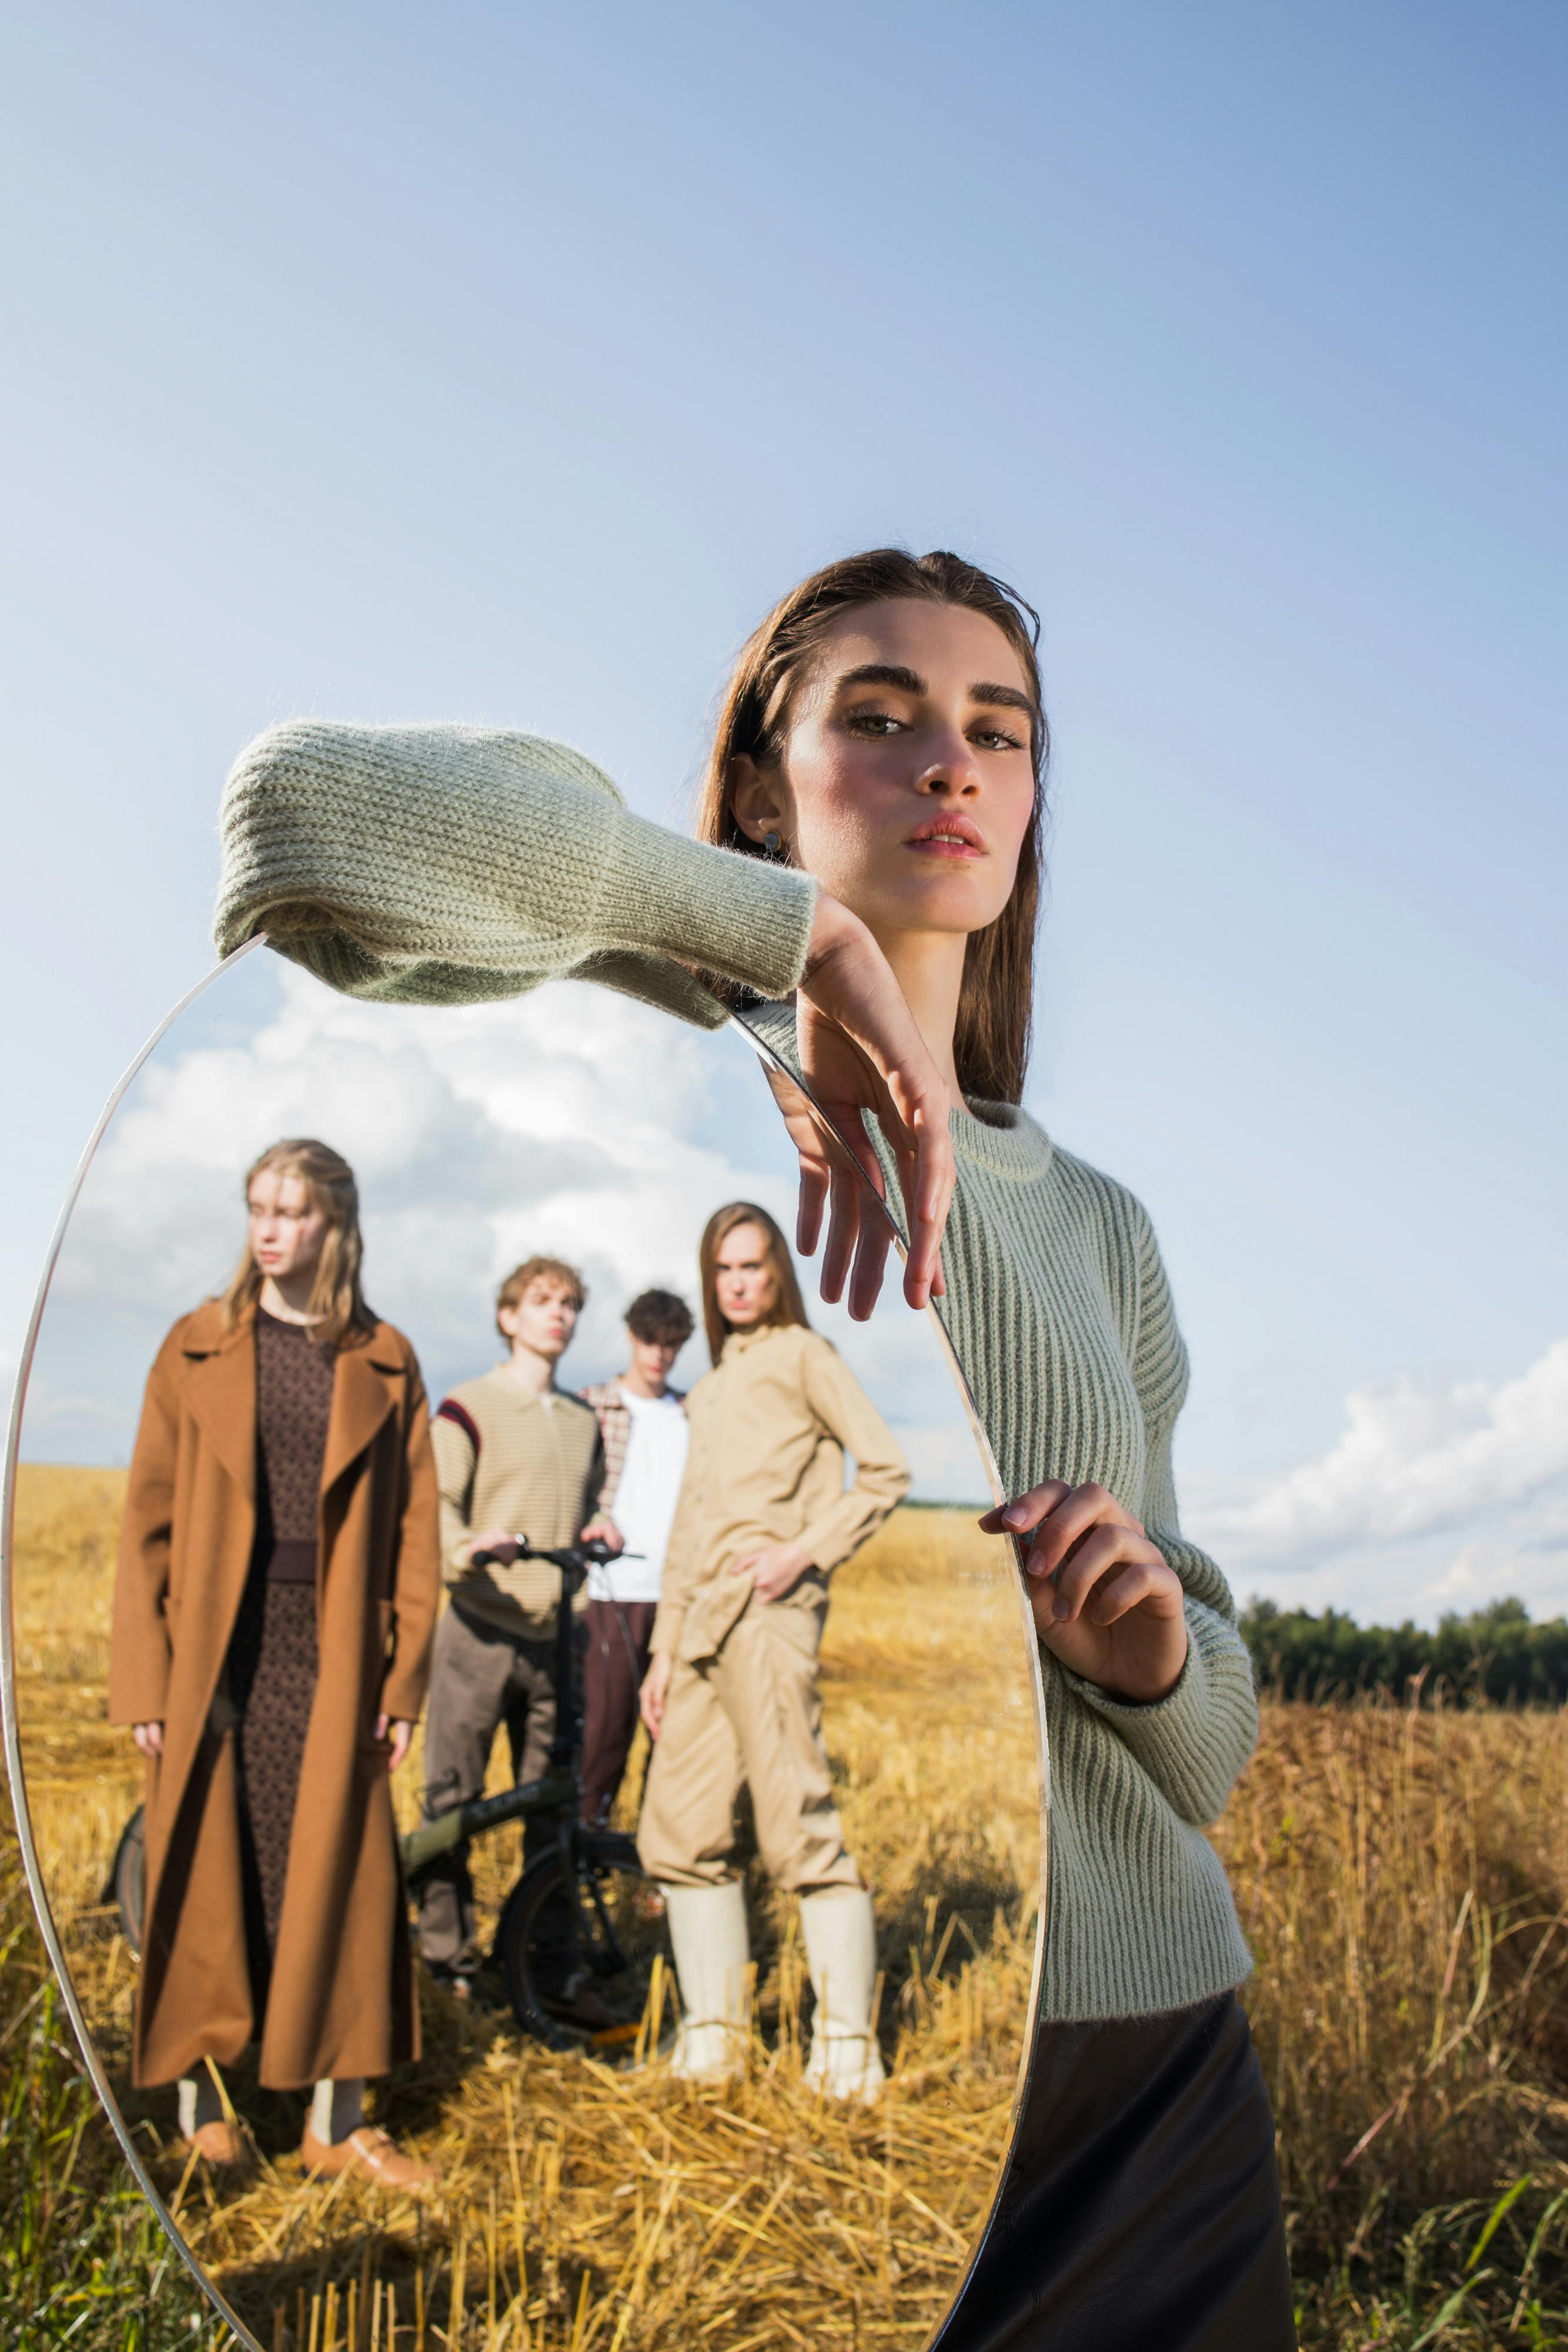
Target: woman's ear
<point>756,799</point>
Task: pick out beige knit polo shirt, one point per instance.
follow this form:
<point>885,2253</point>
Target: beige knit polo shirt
<point>533,1464</point>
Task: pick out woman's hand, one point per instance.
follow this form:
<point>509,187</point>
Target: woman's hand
<point>601,1529</point>
<point>774,1570</point>
<point>654,1691</point>
<point>1105,1602</point>
<point>402,1733</point>
<point>861,1051</point>
<point>149,1738</point>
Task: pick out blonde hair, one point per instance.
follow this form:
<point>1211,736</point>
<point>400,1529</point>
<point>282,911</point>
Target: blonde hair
<point>991,1040</point>
<point>516,1285</point>
<point>336,1308</point>
<point>788,1307</point>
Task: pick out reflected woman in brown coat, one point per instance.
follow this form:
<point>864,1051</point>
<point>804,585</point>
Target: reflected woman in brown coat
<point>274,1607</point>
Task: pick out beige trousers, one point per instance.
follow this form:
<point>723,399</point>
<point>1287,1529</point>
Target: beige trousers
<point>749,1718</point>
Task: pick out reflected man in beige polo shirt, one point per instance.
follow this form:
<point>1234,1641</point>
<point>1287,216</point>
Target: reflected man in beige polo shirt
<point>515,1454</point>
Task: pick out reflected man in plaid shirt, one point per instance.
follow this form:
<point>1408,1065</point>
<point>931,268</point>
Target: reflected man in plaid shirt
<point>642,1423</point>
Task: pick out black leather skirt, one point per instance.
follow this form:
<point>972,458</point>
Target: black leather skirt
<point>1141,2206</point>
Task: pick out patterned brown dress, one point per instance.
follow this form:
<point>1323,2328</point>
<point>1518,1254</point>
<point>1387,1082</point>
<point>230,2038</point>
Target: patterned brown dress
<point>272,1659</point>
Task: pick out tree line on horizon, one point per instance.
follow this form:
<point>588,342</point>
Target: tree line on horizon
<point>1495,1655</point>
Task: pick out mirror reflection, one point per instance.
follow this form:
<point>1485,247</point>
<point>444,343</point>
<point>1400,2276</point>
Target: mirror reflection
<point>533,1758</point>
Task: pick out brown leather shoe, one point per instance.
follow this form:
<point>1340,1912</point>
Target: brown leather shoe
<point>219,2143</point>
<point>372,2154</point>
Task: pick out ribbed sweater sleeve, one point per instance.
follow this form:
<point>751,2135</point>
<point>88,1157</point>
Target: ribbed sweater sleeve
<point>447,865</point>
<point>1195,1742</point>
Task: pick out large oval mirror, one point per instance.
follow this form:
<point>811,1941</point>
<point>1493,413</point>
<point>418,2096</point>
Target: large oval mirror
<point>711,2040</point>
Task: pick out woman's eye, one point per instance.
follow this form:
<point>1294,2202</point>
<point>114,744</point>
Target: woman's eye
<point>996,739</point>
<point>875,722</point>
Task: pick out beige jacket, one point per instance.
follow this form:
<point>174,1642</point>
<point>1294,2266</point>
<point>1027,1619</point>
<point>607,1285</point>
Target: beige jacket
<point>770,1426</point>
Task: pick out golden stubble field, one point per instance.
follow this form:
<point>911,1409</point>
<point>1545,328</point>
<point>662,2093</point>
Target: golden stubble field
<point>613,2210</point>
<point>1402,1877</point>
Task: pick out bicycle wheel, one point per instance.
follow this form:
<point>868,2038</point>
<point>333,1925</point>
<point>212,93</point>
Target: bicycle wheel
<point>127,1880</point>
<point>556,1959</point>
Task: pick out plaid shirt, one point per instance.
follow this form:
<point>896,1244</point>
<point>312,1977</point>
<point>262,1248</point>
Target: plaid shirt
<point>615,1429</point>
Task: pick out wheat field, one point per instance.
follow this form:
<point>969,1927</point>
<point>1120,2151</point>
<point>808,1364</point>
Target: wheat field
<point>1402,1878</point>
<point>582,2206</point>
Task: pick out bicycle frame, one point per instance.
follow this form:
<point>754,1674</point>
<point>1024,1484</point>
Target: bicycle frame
<point>559,1790</point>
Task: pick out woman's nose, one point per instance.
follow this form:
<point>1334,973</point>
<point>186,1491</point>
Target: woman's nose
<point>951,769</point>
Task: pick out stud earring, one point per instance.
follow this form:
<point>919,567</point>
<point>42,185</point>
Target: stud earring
<point>771,844</point>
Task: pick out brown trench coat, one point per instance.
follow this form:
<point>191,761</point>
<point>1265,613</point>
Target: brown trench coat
<point>341,1997</point>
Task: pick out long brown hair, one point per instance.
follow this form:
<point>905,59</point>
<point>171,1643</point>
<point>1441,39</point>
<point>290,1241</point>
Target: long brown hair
<point>787,1307</point>
<point>990,1044</point>
<point>337,1302</point>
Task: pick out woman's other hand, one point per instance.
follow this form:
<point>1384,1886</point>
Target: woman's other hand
<point>775,1571</point>
<point>1115,1612</point>
<point>601,1529</point>
<point>149,1738</point>
<point>402,1733</point>
<point>654,1691</point>
<point>861,1051</point>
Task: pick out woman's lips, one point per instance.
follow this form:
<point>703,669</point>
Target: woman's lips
<point>948,836</point>
<point>943,844</point>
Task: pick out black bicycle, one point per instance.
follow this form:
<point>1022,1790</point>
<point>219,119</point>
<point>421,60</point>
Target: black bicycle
<point>585,1896</point>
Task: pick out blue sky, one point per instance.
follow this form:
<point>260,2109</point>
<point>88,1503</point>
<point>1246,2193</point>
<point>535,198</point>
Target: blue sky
<point>502,364</point>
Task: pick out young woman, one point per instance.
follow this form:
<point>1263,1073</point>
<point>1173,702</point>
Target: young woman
<point>273,1612</point>
<point>731,1698</point>
<point>873,817</point>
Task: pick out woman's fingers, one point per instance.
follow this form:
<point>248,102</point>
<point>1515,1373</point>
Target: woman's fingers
<point>861,1049</point>
<point>926,1175</point>
<point>1016,1519</point>
<point>1100,1552</point>
<point>1117,1596</point>
<point>1059,1516</point>
<point>845,1211</point>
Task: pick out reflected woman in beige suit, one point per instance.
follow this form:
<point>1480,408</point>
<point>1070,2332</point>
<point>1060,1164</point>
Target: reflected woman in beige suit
<point>731,1698</point>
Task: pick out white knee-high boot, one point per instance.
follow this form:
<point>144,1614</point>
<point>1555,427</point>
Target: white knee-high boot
<point>840,1953</point>
<point>708,1928</point>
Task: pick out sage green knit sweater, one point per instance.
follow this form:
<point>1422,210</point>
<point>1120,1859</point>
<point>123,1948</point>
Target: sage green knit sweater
<point>442,865</point>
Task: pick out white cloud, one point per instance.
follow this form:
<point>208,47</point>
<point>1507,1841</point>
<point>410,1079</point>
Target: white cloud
<point>1435,1495</point>
<point>572,1121</point>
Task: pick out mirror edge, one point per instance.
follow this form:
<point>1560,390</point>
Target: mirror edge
<point>772,1060</point>
<point>15,1771</point>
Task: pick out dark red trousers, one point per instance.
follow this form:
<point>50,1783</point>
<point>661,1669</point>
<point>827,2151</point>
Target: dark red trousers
<point>616,1660</point>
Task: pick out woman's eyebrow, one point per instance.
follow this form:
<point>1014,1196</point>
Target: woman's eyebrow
<point>908,681</point>
<point>1007,695</point>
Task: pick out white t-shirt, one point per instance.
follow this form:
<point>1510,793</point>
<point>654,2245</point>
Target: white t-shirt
<point>645,1499</point>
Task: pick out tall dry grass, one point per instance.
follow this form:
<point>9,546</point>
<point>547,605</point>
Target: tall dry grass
<point>1403,1880</point>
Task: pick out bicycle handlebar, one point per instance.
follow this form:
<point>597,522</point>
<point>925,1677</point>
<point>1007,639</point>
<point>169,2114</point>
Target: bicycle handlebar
<point>595,1553</point>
